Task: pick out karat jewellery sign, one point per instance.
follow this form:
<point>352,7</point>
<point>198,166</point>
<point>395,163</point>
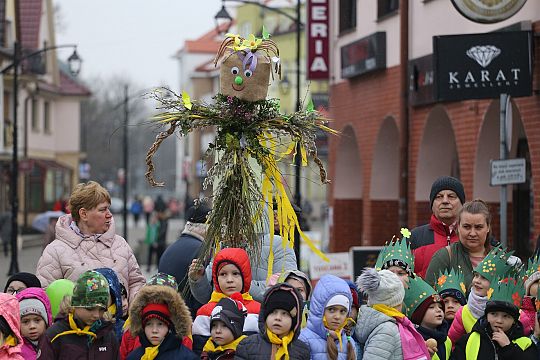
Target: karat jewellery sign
<point>483,66</point>
<point>364,55</point>
<point>505,172</point>
<point>488,11</point>
<point>318,41</point>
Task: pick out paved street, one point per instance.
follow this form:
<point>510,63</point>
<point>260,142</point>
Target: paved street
<point>29,256</point>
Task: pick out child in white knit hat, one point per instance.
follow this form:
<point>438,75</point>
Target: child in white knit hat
<point>35,310</point>
<point>382,329</point>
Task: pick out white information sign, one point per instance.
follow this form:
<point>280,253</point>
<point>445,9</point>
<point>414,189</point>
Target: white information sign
<point>339,265</point>
<point>505,172</point>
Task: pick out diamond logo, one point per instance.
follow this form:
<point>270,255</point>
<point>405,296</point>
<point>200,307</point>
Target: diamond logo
<point>483,54</point>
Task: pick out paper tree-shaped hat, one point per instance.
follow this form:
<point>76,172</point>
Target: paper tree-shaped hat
<point>494,266</point>
<point>510,291</point>
<point>533,266</point>
<point>396,253</point>
<point>452,283</point>
<point>416,294</point>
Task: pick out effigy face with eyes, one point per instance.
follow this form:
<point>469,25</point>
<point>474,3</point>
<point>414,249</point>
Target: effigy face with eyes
<point>245,75</point>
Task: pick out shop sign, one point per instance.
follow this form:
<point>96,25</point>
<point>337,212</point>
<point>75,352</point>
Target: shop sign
<point>318,40</point>
<point>488,11</point>
<point>483,66</point>
<point>421,81</point>
<point>364,55</point>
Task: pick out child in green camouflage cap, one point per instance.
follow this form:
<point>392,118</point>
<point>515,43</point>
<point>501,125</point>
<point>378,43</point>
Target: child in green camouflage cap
<point>84,332</point>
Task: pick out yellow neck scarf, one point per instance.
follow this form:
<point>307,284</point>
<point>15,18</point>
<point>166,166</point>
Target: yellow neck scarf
<point>112,309</point>
<point>283,343</point>
<point>150,352</point>
<point>75,330</point>
<point>387,310</point>
<point>338,330</point>
<point>11,341</point>
<point>212,348</point>
<point>216,296</point>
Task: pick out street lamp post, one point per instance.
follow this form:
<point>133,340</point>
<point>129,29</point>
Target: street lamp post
<point>223,15</point>
<point>74,62</point>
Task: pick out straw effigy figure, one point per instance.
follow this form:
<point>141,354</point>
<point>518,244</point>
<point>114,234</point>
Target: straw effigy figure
<point>248,126</point>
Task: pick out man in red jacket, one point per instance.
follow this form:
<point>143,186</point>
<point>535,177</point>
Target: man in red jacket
<point>446,199</point>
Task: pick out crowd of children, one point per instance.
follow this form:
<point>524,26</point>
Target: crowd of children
<point>389,313</point>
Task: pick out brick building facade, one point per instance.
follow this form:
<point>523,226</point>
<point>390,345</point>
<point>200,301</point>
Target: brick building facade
<point>445,138</point>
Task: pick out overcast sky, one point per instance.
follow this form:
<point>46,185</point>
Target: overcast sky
<point>133,38</point>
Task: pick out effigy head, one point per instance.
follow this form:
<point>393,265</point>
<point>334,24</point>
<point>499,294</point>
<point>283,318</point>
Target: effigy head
<point>246,66</point>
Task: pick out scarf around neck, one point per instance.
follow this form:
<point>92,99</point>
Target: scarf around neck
<point>477,304</point>
<point>210,346</point>
<point>216,296</point>
<point>387,310</point>
<point>76,330</point>
<point>283,343</point>
<point>150,352</point>
<point>409,336</point>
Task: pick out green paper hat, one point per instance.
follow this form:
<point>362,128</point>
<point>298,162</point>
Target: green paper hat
<point>396,253</point>
<point>91,290</point>
<point>510,291</point>
<point>451,280</point>
<point>494,266</point>
<point>417,292</point>
<point>533,265</point>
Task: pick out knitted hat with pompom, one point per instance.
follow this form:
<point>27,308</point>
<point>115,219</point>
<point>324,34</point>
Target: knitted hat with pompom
<point>381,287</point>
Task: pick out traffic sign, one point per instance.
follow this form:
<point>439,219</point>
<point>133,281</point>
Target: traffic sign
<point>505,172</point>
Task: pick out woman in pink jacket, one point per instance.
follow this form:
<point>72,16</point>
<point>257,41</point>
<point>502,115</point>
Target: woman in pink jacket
<point>11,341</point>
<point>86,240</point>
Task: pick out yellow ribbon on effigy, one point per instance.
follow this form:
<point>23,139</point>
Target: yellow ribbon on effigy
<point>287,219</point>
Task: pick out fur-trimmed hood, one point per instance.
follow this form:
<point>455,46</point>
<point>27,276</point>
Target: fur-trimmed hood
<point>158,294</point>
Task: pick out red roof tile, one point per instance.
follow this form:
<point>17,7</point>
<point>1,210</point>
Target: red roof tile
<point>208,43</point>
<point>67,87</point>
<point>29,20</point>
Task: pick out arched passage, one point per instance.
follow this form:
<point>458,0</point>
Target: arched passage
<point>384,187</point>
<point>519,215</point>
<point>437,157</point>
<point>347,209</point>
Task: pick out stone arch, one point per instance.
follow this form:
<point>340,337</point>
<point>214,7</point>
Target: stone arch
<point>438,156</point>
<point>384,185</point>
<point>348,183</point>
<point>519,201</point>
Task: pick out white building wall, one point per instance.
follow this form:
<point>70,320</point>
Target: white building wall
<point>67,126</point>
<point>426,19</point>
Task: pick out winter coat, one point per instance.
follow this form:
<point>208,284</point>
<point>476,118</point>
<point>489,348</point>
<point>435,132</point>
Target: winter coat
<point>9,310</point>
<point>77,347</point>
<point>427,239</point>
<point>259,347</point>
<point>458,260</point>
<point>169,349</point>
<point>130,343</point>
<point>176,259</point>
<point>201,324</point>
<point>444,345</point>
<point>284,259</point>
<point>314,334</point>
<point>29,349</point>
<point>378,335</point>
<point>70,255</point>
<point>116,292</point>
<point>159,294</point>
<point>225,355</point>
<point>490,349</point>
<point>527,315</point>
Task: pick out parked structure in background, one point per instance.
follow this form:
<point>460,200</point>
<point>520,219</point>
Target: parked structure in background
<point>456,138</point>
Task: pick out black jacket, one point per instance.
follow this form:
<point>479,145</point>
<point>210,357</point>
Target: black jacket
<point>75,347</point>
<point>175,261</point>
<point>489,348</point>
<point>170,349</point>
<point>258,346</point>
<point>440,334</point>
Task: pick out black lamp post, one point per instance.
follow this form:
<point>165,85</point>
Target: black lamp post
<point>223,19</point>
<point>74,62</point>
